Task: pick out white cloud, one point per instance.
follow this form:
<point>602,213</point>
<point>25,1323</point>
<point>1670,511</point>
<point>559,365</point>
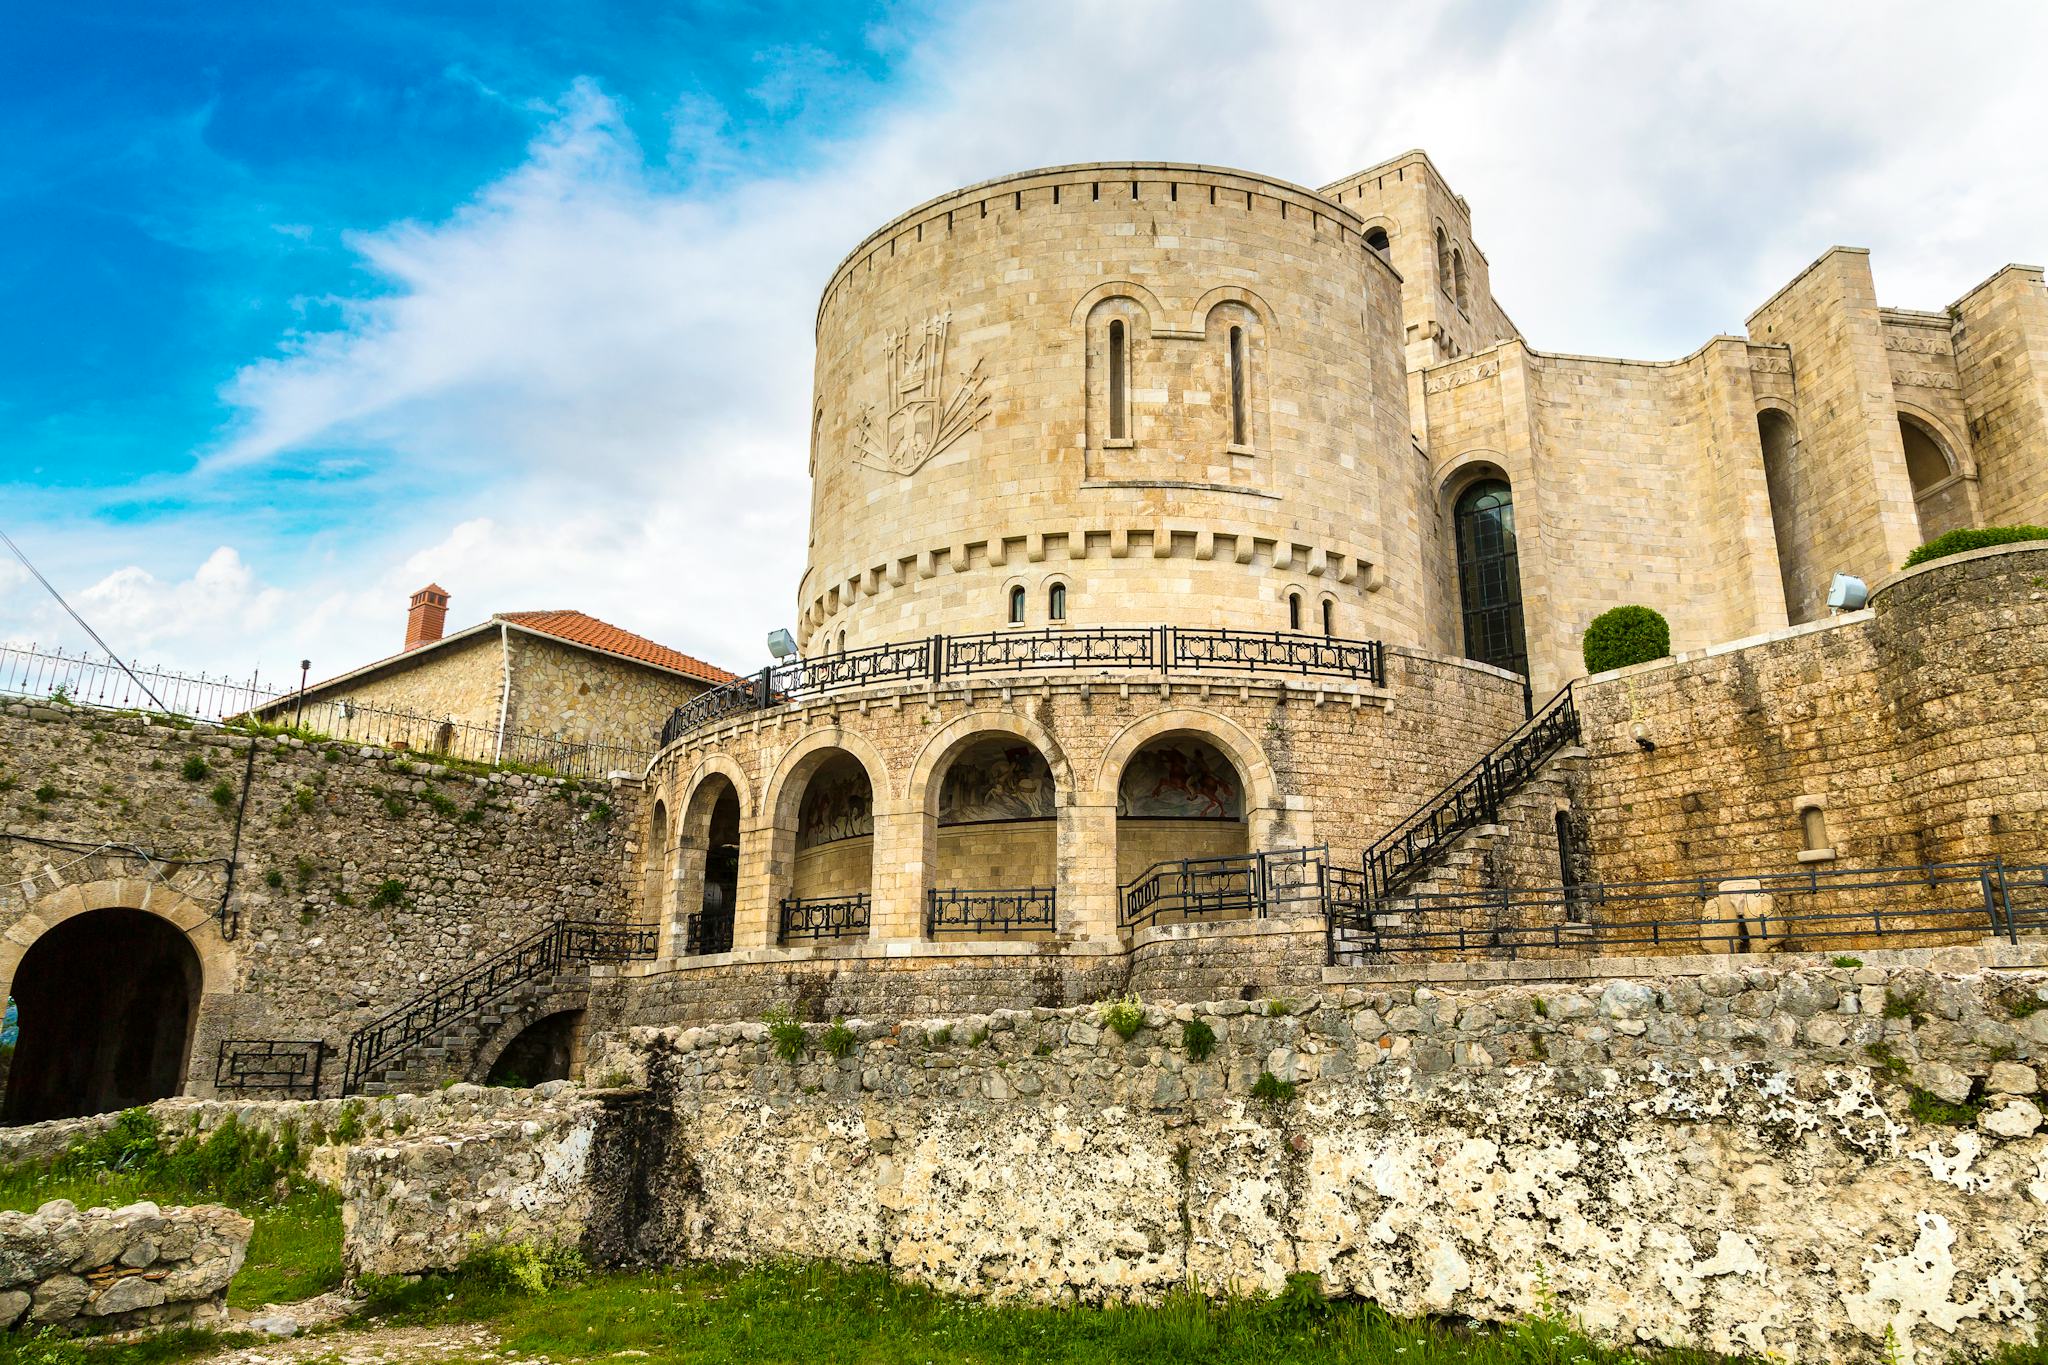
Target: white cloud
<point>602,375</point>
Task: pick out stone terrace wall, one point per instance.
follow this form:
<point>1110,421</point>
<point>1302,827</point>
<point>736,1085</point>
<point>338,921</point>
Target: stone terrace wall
<point>1916,724</point>
<point>112,1269</point>
<point>478,863</point>
<point>1746,1160</point>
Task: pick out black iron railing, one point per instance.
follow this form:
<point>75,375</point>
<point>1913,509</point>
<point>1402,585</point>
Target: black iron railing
<point>1475,798</point>
<point>1162,649</point>
<point>1254,885</point>
<point>1733,912</point>
<point>823,917</point>
<point>561,945</point>
<point>707,933</point>
<point>1024,910</point>
<point>290,1067</point>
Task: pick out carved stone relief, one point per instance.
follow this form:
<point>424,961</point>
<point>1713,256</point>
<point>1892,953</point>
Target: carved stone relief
<point>919,416</point>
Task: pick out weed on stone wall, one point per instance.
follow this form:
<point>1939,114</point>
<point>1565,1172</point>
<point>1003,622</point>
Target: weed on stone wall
<point>194,768</point>
<point>1197,1039</point>
<point>1270,1089</point>
<point>784,1033</point>
<point>389,893</point>
<point>1124,1017</point>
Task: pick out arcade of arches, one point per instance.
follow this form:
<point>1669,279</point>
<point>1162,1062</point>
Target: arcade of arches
<point>105,1004</point>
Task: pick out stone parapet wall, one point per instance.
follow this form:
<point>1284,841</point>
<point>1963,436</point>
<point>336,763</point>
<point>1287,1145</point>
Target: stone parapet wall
<point>101,1270</point>
<point>1757,1159</point>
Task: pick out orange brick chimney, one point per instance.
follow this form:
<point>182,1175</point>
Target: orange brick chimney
<point>429,613</point>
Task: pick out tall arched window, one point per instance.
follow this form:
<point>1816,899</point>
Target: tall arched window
<point>1489,577</point>
<point>1056,602</point>
<point>1119,363</point>
<point>1017,606</point>
<point>1443,259</point>
<point>1783,481</point>
<point>1294,611</point>
<point>1237,387</point>
<point>1458,279</point>
<point>1329,617</point>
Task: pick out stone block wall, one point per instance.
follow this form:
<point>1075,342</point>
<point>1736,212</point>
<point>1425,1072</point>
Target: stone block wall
<point>591,698</point>
<point>1797,1158</point>
<point>361,878</point>
<point>114,1269</point>
<point>2001,357</point>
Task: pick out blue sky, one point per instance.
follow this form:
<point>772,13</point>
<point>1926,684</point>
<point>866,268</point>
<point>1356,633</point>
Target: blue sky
<point>309,304</point>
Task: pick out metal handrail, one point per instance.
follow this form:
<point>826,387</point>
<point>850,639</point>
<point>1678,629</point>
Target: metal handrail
<point>1473,798</point>
<point>822,917</point>
<point>543,954</point>
<point>1163,649</point>
<point>1221,885</point>
<point>1028,909</point>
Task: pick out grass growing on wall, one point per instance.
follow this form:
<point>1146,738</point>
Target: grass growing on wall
<point>295,1248</point>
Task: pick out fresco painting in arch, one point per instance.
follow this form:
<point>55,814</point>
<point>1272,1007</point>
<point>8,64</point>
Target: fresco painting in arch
<point>1180,779</point>
<point>997,779</point>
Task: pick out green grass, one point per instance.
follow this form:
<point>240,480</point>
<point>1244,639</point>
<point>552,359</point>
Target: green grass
<point>803,1312</point>
<point>295,1247</point>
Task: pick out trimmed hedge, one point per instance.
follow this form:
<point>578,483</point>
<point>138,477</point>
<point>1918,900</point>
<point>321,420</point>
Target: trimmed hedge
<point>1978,538</point>
<point>1626,635</point>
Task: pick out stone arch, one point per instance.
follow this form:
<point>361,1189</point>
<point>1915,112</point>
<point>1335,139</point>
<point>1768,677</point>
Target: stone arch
<point>845,869</point>
<point>1205,308</point>
<point>724,765</point>
<point>1387,228</point>
<point>1787,487</point>
<point>167,960</point>
<point>1936,470</point>
<point>1118,289</point>
<point>1262,789</point>
<point>521,1022</point>
<point>701,918</point>
<point>927,770</point>
<point>1008,825</point>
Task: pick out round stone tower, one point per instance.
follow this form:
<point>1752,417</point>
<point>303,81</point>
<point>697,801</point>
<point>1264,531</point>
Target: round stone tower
<point>1107,394</point>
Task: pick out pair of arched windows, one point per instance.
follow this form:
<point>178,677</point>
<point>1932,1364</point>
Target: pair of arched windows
<point>1294,614</point>
<point>1055,603</point>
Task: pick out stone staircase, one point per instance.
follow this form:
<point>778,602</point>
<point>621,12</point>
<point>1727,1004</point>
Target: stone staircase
<point>1518,847</point>
<point>439,1034</point>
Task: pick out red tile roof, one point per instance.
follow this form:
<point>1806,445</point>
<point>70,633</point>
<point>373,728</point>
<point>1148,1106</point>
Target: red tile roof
<point>577,629</point>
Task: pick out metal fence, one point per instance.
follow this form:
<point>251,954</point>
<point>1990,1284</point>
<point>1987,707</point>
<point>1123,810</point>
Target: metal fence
<point>1256,885</point>
<point>1162,649</point>
<point>1022,910</point>
<point>1811,909</point>
<point>822,917</point>
<point>98,681</point>
<point>270,1065</point>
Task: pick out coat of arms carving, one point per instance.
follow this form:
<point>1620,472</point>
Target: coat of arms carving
<point>919,417</point>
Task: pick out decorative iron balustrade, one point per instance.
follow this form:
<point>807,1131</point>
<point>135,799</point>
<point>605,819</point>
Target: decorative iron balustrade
<point>1473,799</point>
<point>823,917</point>
<point>707,933</point>
<point>1811,907</point>
<point>1025,910</point>
<point>98,681</point>
<point>563,944</point>
<point>1251,885</point>
<point>1161,649</point>
<point>253,1064</point>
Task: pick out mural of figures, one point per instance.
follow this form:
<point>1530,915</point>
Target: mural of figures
<point>1181,779</point>
<point>838,804</point>
<point>996,779</point>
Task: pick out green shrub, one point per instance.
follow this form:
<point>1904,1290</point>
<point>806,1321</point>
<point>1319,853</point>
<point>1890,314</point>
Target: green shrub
<point>1622,636</point>
<point>1124,1017</point>
<point>394,804</point>
<point>785,1033</point>
<point>1848,962</point>
<point>348,1129</point>
<point>194,768</point>
<point>390,892</point>
<point>522,1267</point>
<point>1977,538</point>
<point>223,794</point>
<point>273,879</point>
<point>440,801</point>
<point>46,793</point>
<point>838,1040</point>
<point>1272,1089</point>
<point>1198,1039</point>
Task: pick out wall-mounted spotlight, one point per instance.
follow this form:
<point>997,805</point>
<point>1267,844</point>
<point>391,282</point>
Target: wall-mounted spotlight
<point>1847,593</point>
<point>1641,733</point>
<point>781,643</point>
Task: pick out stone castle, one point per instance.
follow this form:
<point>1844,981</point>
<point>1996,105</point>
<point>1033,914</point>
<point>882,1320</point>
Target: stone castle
<point>1197,571</point>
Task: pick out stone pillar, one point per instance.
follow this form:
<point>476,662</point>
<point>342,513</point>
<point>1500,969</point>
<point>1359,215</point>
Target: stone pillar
<point>689,891</point>
<point>904,844</point>
<point>1084,859</point>
<point>765,856</point>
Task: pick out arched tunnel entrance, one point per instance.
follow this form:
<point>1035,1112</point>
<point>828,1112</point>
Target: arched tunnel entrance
<point>545,1050</point>
<point>105,1003</point>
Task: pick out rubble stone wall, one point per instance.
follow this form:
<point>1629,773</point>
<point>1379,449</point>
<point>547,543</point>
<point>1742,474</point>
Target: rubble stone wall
<point>112,1269</point>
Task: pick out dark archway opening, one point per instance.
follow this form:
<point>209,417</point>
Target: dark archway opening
<point>544,1050</point>
<point>721,875</point>
<point>106,1001</point>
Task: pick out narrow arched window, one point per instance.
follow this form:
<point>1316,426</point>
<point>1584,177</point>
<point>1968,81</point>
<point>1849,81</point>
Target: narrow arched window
<point>842,642</point>
<point>1017,606</point>
<point>1458,278</point>
<point>1237,386</point>
<point>1489,577</point>
<point>1329,617</point>
<point>1056,602</point>
<point>1443,260</point>
<point>1294,611</point>
<point>1119,420</point>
